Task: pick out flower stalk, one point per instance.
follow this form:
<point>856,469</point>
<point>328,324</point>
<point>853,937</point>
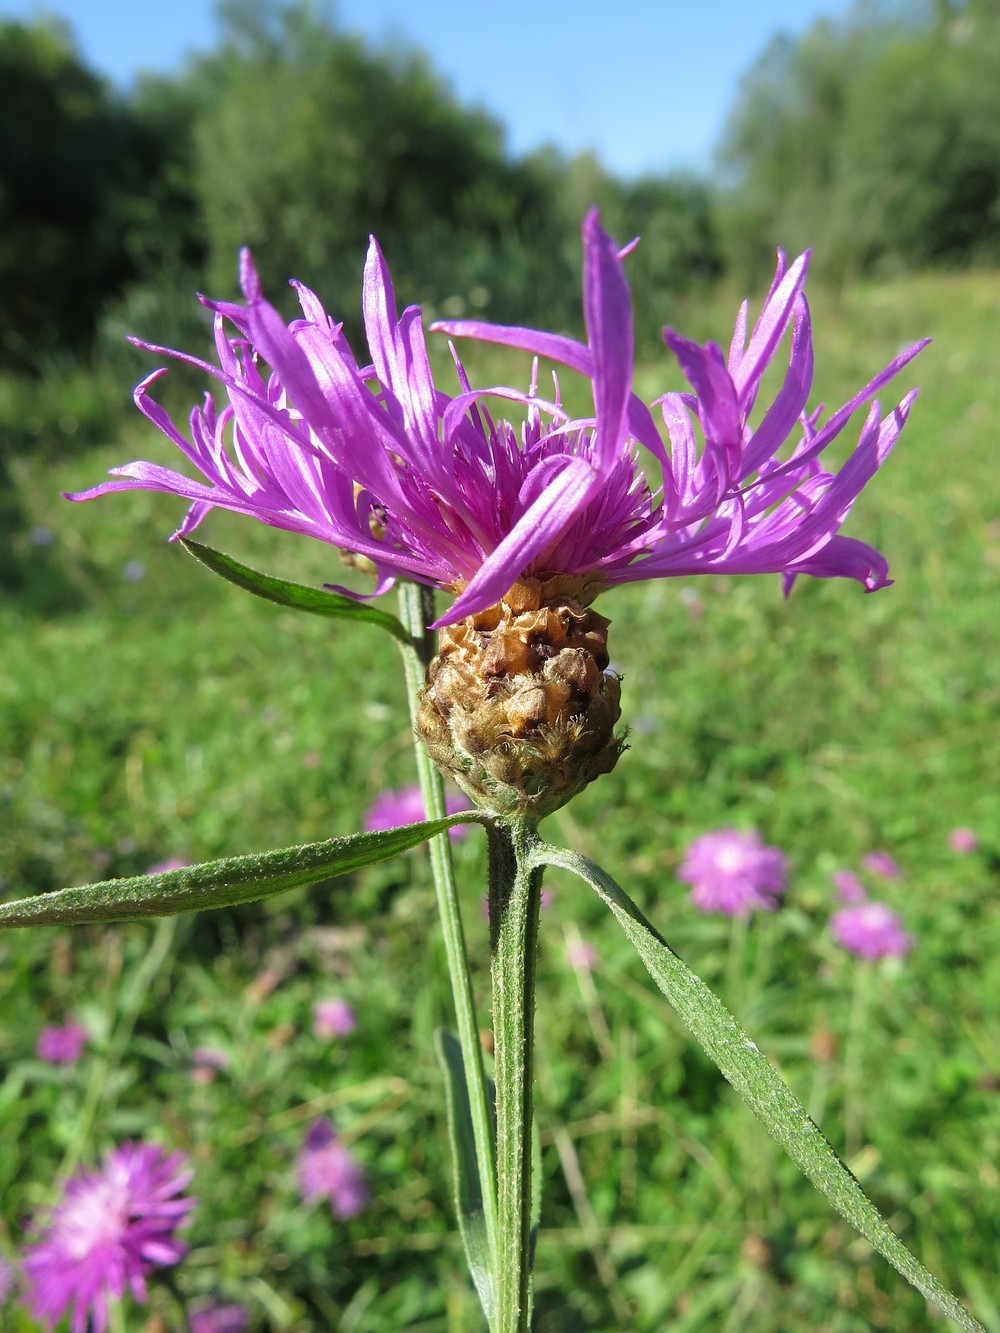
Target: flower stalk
<point>514,899</point>
<point>416,606</point>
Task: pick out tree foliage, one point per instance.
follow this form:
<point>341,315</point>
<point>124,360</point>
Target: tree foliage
<point>877,141</point>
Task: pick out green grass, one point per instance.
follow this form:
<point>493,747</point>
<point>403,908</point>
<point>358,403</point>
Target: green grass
<point>175,716</point>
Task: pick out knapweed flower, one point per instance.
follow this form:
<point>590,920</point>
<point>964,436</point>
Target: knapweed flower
<point>734,873</point>
<point>581,955</point>
<point>109,1231</point>
<point>849,887</point>
<point>870,930</point>
<point>206,1062</point>
<point>8,1281</point>
<point>333,1018</point>
<point>963,840</point>
<point>326,1170</point>
<point>61,1045</point>
<point>881,864</point>
<point>217,1318</point>
<point>525,523</point>
<point>405,805</point>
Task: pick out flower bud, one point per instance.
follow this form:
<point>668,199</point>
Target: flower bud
<point>519,706</point>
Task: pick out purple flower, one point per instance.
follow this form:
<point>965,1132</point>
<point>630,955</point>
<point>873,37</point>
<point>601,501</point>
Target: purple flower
<point>109,1231</point>
<point>581,955</point>
<point>849,887</point>
<point>963,840</point>
<point>216,1318</point>
<point>733,872</point>
<point>61,1045</point>
<point>882,864</point>
<point>8,1281</point>
<point>378,460</point>
<point>871,930</point>
<point>206,1062</point>
<point>161,867</point>
<point>333,1018</point>
<point>393,808</point>
<point>326,1170</point>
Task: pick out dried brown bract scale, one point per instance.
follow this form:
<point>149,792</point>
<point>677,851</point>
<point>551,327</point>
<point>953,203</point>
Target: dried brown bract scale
<point>519,706</point>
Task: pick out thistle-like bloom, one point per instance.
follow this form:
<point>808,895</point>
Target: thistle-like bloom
<point>333,1018</point>
<point>734,873</point>
<point>870,930</point>
<point>881,864</point>
<point>963,840</point>
<point>61,1045</point>
<point>326,1170</point>
<point>405,805</point>
<point>109,1231</point>
<point>217,1318</point>
<point>849,887</point>
<point>377,460</point>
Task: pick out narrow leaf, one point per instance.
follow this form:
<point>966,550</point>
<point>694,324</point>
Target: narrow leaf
<point>764,1091</point>
<point>294,595</point>
<point>468,1192</point>
<point>235,879</point>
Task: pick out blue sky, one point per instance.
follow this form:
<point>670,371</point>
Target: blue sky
<point>645,83</point>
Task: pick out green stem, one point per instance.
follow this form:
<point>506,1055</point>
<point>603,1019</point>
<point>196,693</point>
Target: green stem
<point>416,605</point>
<point>515,891</point>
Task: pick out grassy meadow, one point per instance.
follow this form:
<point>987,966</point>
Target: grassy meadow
<point>149,711</point>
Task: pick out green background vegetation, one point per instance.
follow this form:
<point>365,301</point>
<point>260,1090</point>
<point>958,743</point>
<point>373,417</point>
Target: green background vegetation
<point>147,710</point>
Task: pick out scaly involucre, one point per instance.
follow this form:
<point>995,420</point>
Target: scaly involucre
<point>108,1232</point>
<point>377,460</point>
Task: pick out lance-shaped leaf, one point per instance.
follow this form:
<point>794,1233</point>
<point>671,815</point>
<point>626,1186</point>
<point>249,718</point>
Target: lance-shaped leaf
<point>763,1090</point>
<point>235,879</point>
<point>468,1191</point>
<point>298,596</point>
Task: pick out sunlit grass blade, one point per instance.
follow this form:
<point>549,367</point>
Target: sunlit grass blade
<point>763,1090</point>
<point>468,1194</point>
<point>297,596</point>
<point>223,883</point>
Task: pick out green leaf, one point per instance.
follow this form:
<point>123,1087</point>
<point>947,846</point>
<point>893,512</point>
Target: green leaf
<point>764,1091</point>
<point>294,595</point>
<point>468,1191</point>
<point>236,879</point>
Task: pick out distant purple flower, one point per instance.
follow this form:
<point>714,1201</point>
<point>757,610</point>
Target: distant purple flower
<point>217,1318</point>
<point>882,864</point>
<point>161,867</point>
<point>376,459</point>
<point>61,1045</point>
<point>849,887</point>
<point>326,1170</point>
<point>733,872</point>
<point>582,955</point>
<point>405,805</point>
<point>333,1018</point>
<point>8,1281</point>
<point>871,930</point>
<point>963,840</point>
<point>109,1231</point>
<point>206,1062</point>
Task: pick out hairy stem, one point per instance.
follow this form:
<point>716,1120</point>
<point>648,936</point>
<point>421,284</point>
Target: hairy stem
<point>515,890</point>
<point>416,605</point>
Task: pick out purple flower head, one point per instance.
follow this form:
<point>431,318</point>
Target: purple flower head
<point>377,460</point>
<point>108,1232</point>
<point>393,808</point>
<point>581,955</point>
<point>963,840</point>
<point>326,1170</point>
<point>8,1281</point>
<point>61,1045</point>
<point>216,1318</point>
<point>161,867</point>
<point>333,1018</point>
<point>733,872</point>
<point>849,887</point>
<point>871,930</point>
<point>881,864</point>
<point>206,1062</point>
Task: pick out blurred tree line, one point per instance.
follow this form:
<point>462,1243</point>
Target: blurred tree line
<point>876,140</point>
